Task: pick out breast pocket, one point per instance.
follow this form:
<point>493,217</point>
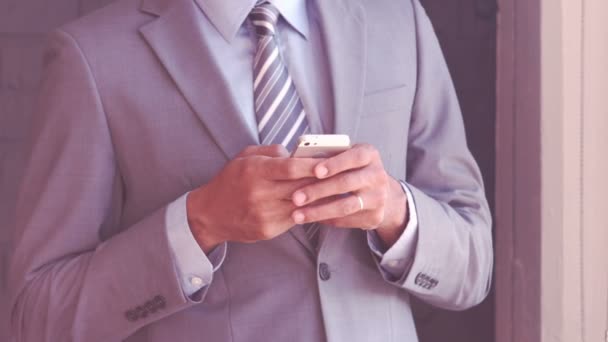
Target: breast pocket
<point>388,100</point>
<point>385,122</point>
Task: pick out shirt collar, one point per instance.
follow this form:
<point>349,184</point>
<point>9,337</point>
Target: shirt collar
<point>229,15</point>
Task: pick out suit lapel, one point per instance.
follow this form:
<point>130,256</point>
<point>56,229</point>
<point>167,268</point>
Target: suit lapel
<point>343,28</point>
<point>299,233</point>
<point>344,32</point>
<point>178,41</point>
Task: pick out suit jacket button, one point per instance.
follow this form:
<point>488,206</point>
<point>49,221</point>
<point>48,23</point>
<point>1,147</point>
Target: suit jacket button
<point>324,272</point>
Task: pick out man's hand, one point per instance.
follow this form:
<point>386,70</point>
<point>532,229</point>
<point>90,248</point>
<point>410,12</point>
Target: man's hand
<point>250,199</point>
<point>358,172</point>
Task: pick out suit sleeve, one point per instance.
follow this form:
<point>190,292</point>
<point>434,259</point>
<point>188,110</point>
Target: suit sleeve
<point>452,265</point>
<point>69,279</point>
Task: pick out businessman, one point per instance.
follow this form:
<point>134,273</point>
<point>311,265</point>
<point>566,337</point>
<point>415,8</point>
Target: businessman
<point>160,202</point>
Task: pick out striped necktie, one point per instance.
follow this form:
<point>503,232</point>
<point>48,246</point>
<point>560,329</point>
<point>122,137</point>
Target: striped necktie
<point>279,112</point>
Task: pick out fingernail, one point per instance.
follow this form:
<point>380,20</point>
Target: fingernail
<point>299,198</point>
<point>321,171</point>
<point>298,217</point>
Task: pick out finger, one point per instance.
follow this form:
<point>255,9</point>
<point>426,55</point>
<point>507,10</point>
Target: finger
<point>343,183</point>
<point>275,150</point>
<point>356,157</point>
<point>269,221</point>
<point>285,189</point>
<point>366,219</point>
<point>279,212</point>
<point>341,207</point>
<point>289,168</point>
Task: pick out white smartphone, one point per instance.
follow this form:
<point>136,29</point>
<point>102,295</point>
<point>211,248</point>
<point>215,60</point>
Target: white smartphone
<point>321,145</point>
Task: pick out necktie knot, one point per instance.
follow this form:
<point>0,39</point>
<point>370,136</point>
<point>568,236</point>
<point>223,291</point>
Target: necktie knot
<point>264,17</point>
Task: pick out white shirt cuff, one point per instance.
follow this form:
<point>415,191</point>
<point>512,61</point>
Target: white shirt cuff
<point>398,259</point>
<point>194,268</point>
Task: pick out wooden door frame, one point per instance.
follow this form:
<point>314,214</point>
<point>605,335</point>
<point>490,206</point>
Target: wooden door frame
<point>552,119</point>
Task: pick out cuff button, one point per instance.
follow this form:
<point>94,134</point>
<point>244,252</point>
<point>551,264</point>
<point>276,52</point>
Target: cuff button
<point>394,263</point>
<point>196,281</point>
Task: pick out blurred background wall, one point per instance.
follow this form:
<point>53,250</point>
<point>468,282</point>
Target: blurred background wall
<point>467,32</point>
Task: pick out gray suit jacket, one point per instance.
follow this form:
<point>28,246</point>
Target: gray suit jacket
<point>128,121</point>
